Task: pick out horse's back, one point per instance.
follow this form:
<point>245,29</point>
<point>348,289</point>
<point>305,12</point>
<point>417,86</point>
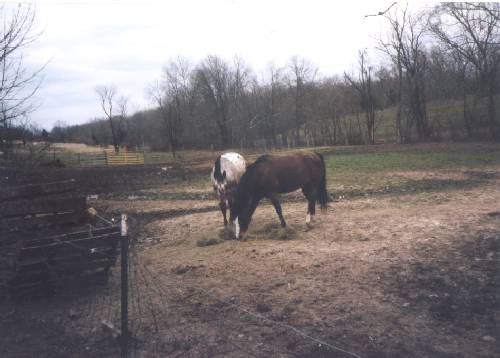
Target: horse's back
<point>284,173</point>
<point>233,164</point>
<point>292,163</point>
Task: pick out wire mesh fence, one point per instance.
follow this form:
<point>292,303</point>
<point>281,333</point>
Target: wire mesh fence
<point>137,311</point>
<point>167,316</point>
<point>177,318</point>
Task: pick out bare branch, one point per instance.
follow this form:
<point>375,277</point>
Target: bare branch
<point>381,13</point>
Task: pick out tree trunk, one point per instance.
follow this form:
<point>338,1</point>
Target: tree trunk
<point>467,124</point>
<point>399,132</point>
<point>491,108</point>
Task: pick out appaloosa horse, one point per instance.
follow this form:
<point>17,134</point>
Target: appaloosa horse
<point>271,175</point>
<point>226,174</point>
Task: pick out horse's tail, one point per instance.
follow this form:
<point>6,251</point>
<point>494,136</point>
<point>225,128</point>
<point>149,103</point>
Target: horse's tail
<point>322,193</point>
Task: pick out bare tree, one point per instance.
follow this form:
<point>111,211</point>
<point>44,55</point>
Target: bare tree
<point>18,84</point>
<point>302,76</point>
<point>472,30</point>
<point>393,48</point>
<point>59,132</point>
<point>173,95</point>
<point>363,85</point>
<point>329,109</point>
<point>450,76</point>
<point>178,82</point>
<point>213,79</point>
<point>242,109</point>
<point>273,93</point>
<point>115,110</point>
<point>405,47</point>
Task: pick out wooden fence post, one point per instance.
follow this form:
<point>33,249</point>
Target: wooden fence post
<point>124,287</point>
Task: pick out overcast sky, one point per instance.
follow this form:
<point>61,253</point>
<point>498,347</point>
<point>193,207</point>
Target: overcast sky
<point>126,44</point>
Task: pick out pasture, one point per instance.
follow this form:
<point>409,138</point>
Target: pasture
<point>403,263</point>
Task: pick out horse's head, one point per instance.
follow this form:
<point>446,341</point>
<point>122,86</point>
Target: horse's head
<point>220,183</point>
<point>242,206</point>
<point>219,177</point>
<point>241,216</point>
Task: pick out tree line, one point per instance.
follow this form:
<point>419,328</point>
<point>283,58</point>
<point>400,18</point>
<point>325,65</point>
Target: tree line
<point>449,54</point>
<point>18,83</point>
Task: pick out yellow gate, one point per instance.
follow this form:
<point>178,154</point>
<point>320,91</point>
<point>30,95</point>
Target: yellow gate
<point>124,158</point>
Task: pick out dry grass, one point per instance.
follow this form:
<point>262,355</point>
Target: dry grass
<point>79,147</point>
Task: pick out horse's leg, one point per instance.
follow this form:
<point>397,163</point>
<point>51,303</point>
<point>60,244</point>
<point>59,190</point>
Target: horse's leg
<point>230,204</point>
<point>222,205</point>
<point>310,194</point>
<point>251,210</point>
<point>275,199</point>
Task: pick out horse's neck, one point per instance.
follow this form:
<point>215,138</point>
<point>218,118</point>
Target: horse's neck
<point>251,186</point>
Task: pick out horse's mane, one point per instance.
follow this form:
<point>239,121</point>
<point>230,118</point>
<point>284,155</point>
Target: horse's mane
<point>217,172</point>
<point>250,172</point>
<point>245,186</point>
<point>262,159</point>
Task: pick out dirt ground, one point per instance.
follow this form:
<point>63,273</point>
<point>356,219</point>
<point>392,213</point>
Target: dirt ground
<point>387,275</point>
<point>407,275</point>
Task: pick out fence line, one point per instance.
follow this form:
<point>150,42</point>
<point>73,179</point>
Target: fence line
<point>124,158</point>
<point>97,159</point>
<point>151,303</point>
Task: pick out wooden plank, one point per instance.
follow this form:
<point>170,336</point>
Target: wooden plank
<point>24,227</point>
<point>63,248</point>
<point>124,158</point>
<point>72,258</point>
<point>31,262</point>
<point>72,236</point>
<point>30,276</point>
<point>8,262</point>
<point>42,206</point>
<point>65,268</point>
<point>37,285</point>
<point>7,276</point>
<point>92,159</point>
<point>39,264</point>
<point>8,240</point>
<point>49,278</point>
<point>54,284</point>
<point>37,190</point>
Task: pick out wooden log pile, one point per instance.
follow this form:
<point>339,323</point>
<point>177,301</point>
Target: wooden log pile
<point>49,239</point>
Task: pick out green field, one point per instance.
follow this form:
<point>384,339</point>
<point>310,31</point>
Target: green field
<point>361,170</point>
<point>411,160</point>
<point>376,170</point>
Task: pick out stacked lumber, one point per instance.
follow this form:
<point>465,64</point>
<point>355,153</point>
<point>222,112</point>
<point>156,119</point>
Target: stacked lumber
<point>48,239</point>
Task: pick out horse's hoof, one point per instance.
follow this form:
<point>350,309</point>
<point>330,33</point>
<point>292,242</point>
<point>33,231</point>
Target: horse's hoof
<point>282,233</point>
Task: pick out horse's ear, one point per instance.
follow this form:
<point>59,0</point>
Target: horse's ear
<point>224,174</point>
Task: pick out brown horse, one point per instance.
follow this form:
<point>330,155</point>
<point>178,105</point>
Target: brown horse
<point>271,175</point>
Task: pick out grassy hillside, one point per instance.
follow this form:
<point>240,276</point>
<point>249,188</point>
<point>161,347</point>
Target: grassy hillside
<point>446,118</point>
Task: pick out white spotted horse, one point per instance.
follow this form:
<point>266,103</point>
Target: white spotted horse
<point>226,174</point>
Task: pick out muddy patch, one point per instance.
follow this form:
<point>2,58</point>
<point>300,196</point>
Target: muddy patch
<point>456,285</point>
